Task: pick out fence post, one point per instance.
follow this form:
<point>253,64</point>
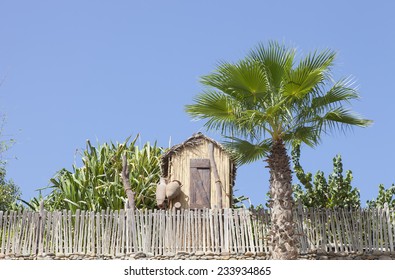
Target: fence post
<point>390,244</point>
<point>40,230</point>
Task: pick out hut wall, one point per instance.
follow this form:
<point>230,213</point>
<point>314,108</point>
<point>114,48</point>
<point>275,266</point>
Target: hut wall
<point>179,169</point>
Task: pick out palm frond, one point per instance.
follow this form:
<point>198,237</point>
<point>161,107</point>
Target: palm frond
<point>256,123</point>
<point>301,82</point>
<point>306,134</point>
<point>244,80</point>
<point>276,59</point>
<point>341,118</point>
<point>310,73</point>
<point>210,104</point>
<point>341,91</point>
<point>220,111</point>
<point>244,151</point>
<point>317,61</point>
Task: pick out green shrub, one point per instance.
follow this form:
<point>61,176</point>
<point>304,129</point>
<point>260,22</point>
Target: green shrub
<point>97,185</point>
<point>336,191</point>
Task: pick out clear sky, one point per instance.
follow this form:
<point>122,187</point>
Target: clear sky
<point>105,70</point>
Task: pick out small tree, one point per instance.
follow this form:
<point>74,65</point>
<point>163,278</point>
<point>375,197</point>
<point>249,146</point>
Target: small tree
<point>384,196</point>
<point>9,192</point>
<point>336,191</point>
<point>267,100</point>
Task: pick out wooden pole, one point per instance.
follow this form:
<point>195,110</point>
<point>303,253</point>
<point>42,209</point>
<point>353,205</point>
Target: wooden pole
<point>218,184</point>
<point>40,230</point>
<point>126,183</point>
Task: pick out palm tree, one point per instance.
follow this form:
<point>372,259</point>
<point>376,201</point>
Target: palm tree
<point>268,100</point>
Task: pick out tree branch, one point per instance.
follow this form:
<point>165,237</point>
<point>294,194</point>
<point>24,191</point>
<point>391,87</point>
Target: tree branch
<point>126,183</point>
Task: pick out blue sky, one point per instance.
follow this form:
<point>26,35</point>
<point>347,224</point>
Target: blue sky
<point>105,70</point>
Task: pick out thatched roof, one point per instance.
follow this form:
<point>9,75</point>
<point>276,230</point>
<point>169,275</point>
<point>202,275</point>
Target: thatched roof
<point>194,140</point>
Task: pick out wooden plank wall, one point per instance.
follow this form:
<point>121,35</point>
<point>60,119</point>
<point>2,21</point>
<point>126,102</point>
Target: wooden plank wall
<point>179,170</point>
<point>158,232</point>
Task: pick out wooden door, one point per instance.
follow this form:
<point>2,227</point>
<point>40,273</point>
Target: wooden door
<point>200,183</point>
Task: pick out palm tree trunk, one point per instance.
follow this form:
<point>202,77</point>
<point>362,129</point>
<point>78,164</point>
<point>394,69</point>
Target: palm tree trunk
<point>283,240</point>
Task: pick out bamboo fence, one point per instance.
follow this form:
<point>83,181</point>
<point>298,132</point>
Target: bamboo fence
<point>159,232</point>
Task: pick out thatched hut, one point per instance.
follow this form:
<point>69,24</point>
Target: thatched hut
<point>204,169</point>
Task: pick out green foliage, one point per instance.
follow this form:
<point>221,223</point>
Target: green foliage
<point>9,192</point>
<point>97,185</point>
<point>238,201</point>
<point>258,208</point>
<point>384,196</point>
<point>336,191</point>
<point>272,95</point>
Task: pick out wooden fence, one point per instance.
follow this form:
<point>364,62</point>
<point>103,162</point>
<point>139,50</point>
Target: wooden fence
<point>158,232</point>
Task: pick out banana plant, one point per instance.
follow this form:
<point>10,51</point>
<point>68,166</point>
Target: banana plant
<point>97,185</point>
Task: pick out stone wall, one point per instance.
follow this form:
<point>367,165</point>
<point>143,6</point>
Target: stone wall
<point>350,256</point>
<point>204,256</point>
